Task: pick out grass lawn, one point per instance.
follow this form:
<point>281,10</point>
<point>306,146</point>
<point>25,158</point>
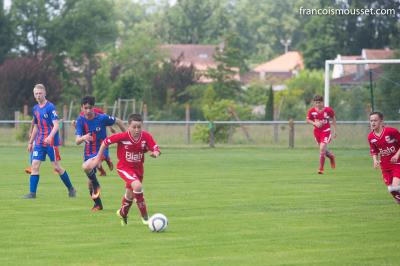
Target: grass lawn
<point>226,206</point>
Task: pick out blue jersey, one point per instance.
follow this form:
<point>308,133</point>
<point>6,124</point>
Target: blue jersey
<point>97,129</point>
<point>43,117</point>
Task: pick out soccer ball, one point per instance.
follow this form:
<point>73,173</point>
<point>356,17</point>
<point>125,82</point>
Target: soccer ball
<point>158,222</point>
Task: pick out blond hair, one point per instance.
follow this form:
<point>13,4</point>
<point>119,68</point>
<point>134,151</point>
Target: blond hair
<point>40,86</point>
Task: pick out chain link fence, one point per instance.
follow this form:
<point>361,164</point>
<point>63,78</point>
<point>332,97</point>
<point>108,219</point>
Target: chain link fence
<point>296,134</point>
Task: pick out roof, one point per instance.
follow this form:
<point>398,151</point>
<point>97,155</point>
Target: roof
<point>376,54</point>
<point>201,56</point>
<point>284,63</point>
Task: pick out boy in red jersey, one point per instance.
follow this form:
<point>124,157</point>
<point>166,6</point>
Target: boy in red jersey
<point>319,116</point>
<point>132,145</point>
<point>385,142</point>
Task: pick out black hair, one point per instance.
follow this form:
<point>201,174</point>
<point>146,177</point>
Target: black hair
<point>380,114</point>
<point>88,100</point>
<point>318,98</point>
<point>135,117</point>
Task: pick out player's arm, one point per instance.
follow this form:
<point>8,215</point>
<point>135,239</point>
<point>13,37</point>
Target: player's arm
<point>334,126</point>
<point>375,160</point>
<point>395,157</point>
<point>32,137</point>
<point>154,148</point>
<point>120,124</point>
<point>85,138</point>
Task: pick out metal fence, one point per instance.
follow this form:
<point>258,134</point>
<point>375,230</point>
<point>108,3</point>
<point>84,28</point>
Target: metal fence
<point>350,134</point>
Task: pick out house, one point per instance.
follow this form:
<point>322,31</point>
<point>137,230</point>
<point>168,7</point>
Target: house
<point>277,70</point>
<point>350,75</point>
<point>200,56</point>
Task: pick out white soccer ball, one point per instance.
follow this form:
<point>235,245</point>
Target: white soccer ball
<point>158,222</point>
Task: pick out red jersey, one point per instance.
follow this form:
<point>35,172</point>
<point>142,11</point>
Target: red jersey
<point>324,116</point>
<point>386,145</point>
<point>131,152</point>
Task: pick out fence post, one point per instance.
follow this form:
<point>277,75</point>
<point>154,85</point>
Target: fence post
<point>187,117</point>
<point>25,110</point>
<point>211,132</point>
<point>17,116</point>
<point>291,133</point>
<point>63,132</point>
<point>146,126</point>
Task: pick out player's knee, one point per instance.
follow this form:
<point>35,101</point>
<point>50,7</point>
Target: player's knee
<point>393,188</point>
<point>137,187</point>
<point>59,170</point>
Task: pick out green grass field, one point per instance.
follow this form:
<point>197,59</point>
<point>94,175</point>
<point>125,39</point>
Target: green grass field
<point>226,206</point>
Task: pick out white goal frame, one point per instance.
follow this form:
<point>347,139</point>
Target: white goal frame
<point>350,62</point>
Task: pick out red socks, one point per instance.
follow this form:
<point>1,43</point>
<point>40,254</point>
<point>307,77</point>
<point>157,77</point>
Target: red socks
<point>139,198</point>
<point>126,205</point>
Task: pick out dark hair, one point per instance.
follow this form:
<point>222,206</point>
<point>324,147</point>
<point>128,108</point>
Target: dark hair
<point>318,98</point>
<point>135,117</point>
<point>378,114</point>
<point>88,100</point>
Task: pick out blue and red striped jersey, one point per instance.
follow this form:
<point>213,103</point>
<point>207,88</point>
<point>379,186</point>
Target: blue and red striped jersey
<point>97,128</point>
<point>43,117</point>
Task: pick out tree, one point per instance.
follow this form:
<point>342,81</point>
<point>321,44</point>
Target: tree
<point>32,21</point>
<point>6,34</point>
<point>193,22</point>
<point>269,107</point>
<point>83,30</point>
<point>19,76</point>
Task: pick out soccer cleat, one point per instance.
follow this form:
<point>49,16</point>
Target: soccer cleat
<point>28,170</point>
<point>97,208</point>
<point>333,163</point>
<point>110,165</point>
<point>72,192</point>
<point>321,171</point>
<point>96,193</point>
<point>30,195</point>
<point>145,221</point>
<point>102,171</point>
<point>124,219</point>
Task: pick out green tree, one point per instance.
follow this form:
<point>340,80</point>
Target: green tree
<point>83,30</point>
<point>6,34</point>
<point>269,107</point>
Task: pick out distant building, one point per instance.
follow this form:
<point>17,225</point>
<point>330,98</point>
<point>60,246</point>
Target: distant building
<point>277,70</point>
<point>350,75</point>
<point>200,56</point>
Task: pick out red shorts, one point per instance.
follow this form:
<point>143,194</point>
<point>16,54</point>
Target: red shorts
<point>322,137</point>
<point>130,175</point>
<point>390,172</point>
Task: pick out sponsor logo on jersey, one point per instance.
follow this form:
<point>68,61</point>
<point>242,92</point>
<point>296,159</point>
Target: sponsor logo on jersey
<point>387,151</point>
<point>373,140</point>
<point>388,139</point>
<point>133,157</point>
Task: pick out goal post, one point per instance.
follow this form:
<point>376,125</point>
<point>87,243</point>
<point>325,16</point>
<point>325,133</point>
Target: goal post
<point>328,63</point>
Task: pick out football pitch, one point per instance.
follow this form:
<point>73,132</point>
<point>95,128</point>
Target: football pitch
<point>226,206</point>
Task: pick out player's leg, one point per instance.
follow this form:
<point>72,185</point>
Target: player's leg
<point>108,160</point>
<point>34,179</point>
<point>54,157</point>
<point>137,189</point>
<point>28,170</point>
<point>94,185</point>
<point>394,187</point>
<point>98,205</point>
<point>322,151</point>
<point>126,204</point>
<point>331,157</point>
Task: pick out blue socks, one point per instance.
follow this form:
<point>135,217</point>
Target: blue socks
<point>65,178</point>
<point>33,182</point>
